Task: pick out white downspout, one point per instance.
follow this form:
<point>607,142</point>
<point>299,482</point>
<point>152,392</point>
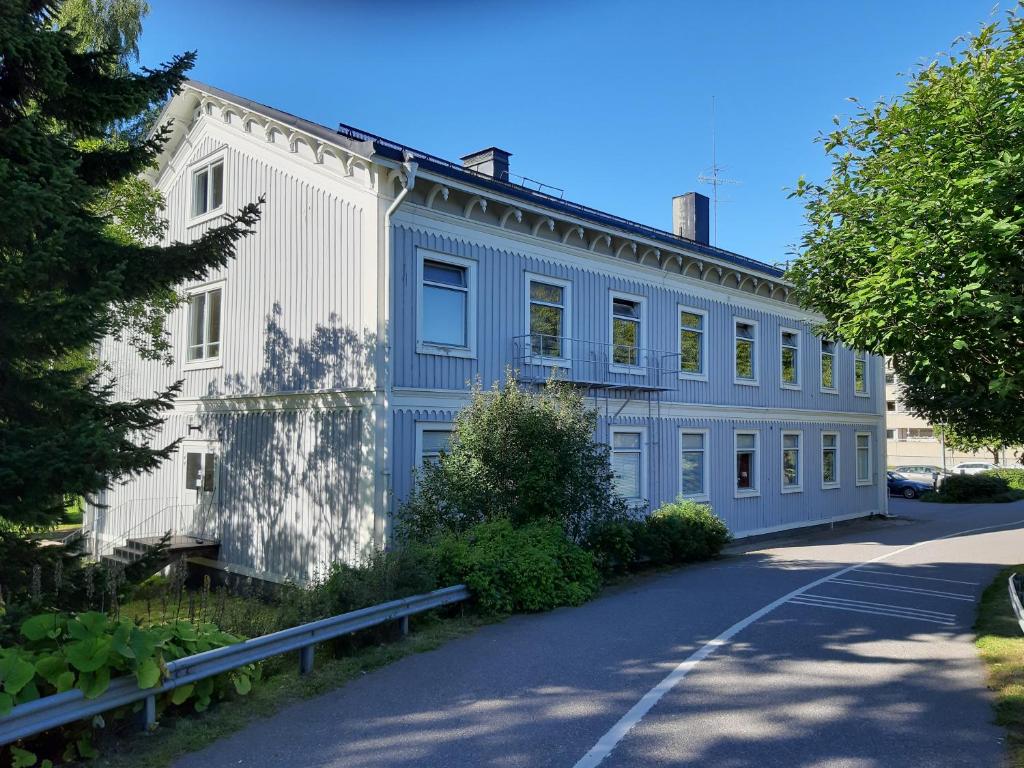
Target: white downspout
<point>382,458</point>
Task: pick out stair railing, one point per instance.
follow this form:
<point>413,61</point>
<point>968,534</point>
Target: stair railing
<point>175,514</point>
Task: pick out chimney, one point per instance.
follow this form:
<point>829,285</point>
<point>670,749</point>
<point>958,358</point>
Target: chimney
<point>690,217</point>
<point>491,162</point>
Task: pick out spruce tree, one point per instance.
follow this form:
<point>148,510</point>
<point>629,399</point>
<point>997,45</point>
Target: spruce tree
<point>62,274</point>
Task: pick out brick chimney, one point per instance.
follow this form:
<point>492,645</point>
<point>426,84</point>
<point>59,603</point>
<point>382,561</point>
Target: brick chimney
<point>691,217</point>
<point>491,162</point>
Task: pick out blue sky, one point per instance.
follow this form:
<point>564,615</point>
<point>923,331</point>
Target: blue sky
<point>610,101</point>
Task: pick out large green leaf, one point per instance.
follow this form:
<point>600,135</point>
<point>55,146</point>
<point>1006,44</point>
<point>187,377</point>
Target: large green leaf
<point>90,654</point>
<point>92,684</point>
<point>42,626</point>
<point>18,673</point>
<point>180,695</point>
<point>148,673</point>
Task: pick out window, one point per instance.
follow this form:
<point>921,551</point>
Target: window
<point>828,366</point>
<point>745,352</point>
<point>205,307</point>
<point>627,462</point>
<point>627,315</point>
<point>861,371</point>
<point>694,475</point>
<point>746,464</point>
<point>789,358</point>
<point>792,471</point>
<point>692,350</point>
<point>200,469</point>
<point>890,377</point>
<point>547,308</point>
<point>829,459</point>
<point>890,434</point>
<point>890,406</point>
<point>208,188</point>
<point>431,441</point>
<point>447,306</point>
<point>863,458</point>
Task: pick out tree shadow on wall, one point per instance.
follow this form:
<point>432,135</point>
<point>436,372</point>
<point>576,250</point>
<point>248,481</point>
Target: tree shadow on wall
<point>295,489</point>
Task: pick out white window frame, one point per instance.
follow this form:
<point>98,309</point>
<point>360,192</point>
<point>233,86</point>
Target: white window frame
<point>866,359</point>
<point>205,362</point>
<point>799,487</point>
<point>799,358</point>
<point>201,447</point>
<point>635,370</point>
<point>429,426</point>
<point>642,431</point>
<point>856,455</point>
<point>207,163</point>
<point>565,360</point>
<point>743,493</point>
<point>826,486</point>
<point>834,389</point>
<point>755,356</point>
<point>424,347</point>
<point>702,374</point>
<point>705,495</point>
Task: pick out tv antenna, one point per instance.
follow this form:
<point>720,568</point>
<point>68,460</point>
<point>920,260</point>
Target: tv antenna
<point>713,175</point>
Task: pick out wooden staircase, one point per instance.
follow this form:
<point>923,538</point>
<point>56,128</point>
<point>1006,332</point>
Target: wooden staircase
<point>178,547</point>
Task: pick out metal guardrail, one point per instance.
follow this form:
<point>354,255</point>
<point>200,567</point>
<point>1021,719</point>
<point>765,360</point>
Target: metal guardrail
<point>63,708</point>
<point>1018,610</point>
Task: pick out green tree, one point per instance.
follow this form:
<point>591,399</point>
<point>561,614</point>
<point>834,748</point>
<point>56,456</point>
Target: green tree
<point>952,439</point>
<point>61,273</point>
<point>105,25</point>
<point>521,456</point>
<point>913,245</point>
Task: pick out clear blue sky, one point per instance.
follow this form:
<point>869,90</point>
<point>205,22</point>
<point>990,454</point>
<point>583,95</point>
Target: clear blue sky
<point>608,100</point>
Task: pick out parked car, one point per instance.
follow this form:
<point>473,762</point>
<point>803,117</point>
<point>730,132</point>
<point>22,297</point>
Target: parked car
<point>973,467</point>
<point>921,470</point>
<point>904,486</point>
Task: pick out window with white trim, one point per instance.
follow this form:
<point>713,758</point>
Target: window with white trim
<point>447,305</point>
<point>828,365</point>
<point>747,483</point>
<point>627,460</point>
<point>789,358</point>
<point>434,440</point>
<point>829,459</point>
<point>863,458</point>
<point>205,311</point>
<point>861,371</point>
<point>200,469</point>
<point>692,343</point>
<point>693,445</point>
<point>208,188</point>
<point>792,469</point>
<point>547,315</point>
<point>627,317</point>
<point>745,351</point>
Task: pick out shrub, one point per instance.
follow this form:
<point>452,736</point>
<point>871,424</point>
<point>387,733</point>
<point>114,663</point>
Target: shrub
<point>980,488</point>
<point>85,651</point>
<point>533,567</point>
<point>682,531</point>
<point>1013,477</point>
<point>613,543</point>
<point>520,456</point>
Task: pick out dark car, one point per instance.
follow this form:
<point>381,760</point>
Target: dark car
<point>908,488</point>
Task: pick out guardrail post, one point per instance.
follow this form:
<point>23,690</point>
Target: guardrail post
<point>306,660</point>
<point>149,713</point>
<point>405,626</point>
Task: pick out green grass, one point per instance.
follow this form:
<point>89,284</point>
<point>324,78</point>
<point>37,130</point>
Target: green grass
<point>1001,645</point>
<point>187,734</point>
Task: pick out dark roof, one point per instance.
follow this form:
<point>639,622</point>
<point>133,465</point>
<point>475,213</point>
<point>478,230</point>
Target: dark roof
<point>364,141</point>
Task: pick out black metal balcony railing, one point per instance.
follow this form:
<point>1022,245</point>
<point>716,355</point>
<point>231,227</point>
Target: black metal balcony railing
<point>604,365</point>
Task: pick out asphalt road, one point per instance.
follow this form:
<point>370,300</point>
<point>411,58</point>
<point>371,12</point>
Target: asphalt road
<point>797,654</point>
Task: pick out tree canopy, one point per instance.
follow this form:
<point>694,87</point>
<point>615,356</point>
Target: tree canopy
<point>913,246</point>
<point>62,273</point>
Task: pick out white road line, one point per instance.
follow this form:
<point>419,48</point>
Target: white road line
<point>908,590</point>
<point>830,598</point>
<point>636,713</point>
<point>909,576</point>
<point>873,611</point>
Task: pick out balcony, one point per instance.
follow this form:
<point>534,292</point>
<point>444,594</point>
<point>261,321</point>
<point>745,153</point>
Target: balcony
<point>539,357</point>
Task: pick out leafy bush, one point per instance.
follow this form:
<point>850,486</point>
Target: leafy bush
<point>613,544</point>
<point>682,531</point>
<point>1014,477</point>
<point>85,651</point>
<point>533,567</point>
<point>520,456</point>
<point>986,487</point>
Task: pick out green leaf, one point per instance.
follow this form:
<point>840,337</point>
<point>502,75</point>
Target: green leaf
<point>65,682</point>
<point>148,673</point>
<point>959,344</point>
<point>50,668</point>
<point>19,674</point>
<point>42,626</point>
<point>85,747</point>
<point>242,684</point>
<point>92,684</point>
<point>22,758</point>
<point>180,695</point>
<point>89,654</point>
<point>6,703</point>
